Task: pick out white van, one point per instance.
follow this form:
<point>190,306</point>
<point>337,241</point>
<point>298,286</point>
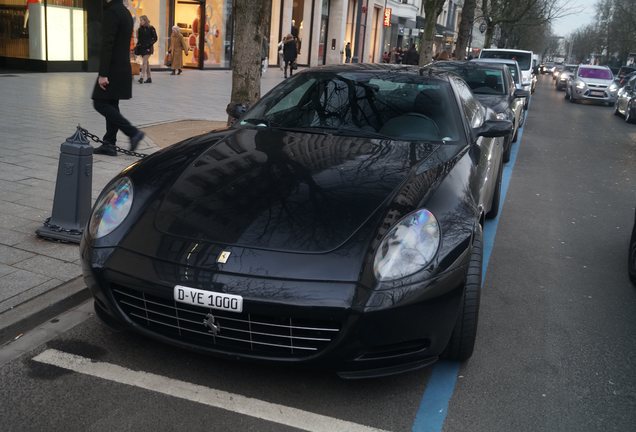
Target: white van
<point>524,58</point>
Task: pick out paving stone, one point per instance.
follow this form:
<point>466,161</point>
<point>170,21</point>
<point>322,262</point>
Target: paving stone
<point>51,267</point>
<point>5,269</point>
<point>11,255</point>
<point>10,237</point>
<point>28,294</point>
<point>63,251</point>
<point>19,281</point>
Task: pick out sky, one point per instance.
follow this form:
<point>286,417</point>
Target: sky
<point>583,13</point>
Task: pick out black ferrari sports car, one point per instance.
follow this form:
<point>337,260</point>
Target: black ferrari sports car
<point>337,224</point>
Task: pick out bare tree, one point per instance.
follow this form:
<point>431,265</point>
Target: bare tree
<point>251,26</point>
<point>432,9</point>
<point>465,27</point>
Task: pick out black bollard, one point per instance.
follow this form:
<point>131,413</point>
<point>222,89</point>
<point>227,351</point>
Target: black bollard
<point>72,200</point>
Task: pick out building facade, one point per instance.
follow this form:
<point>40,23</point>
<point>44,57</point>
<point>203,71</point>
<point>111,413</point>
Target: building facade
<point>64,35</point>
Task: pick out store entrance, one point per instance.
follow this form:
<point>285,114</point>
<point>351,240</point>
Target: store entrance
<point>206,26</point>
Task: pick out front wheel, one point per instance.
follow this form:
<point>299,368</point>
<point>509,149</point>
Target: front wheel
<point>462,342</point>
<point>629,117</point>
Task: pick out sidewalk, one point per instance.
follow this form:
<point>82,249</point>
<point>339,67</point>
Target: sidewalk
<point>39,111</point>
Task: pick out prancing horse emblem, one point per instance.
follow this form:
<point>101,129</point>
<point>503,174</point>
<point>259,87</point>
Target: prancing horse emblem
<point>210,322</point>
<point>223,257</point>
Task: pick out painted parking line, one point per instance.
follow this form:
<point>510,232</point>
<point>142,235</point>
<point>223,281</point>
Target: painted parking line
<point>433,408</point>
<point>256,408</point>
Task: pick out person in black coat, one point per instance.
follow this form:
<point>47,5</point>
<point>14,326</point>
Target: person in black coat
<point>114,81</point>
<point>290,52</point>
<point>146,38</point>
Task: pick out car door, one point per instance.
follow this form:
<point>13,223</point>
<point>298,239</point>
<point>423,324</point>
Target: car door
<point>629,93</point>
<point>487,153</point>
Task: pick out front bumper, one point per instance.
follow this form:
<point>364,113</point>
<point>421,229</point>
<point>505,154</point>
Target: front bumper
<point>339,326</point>
<point>594,94</point>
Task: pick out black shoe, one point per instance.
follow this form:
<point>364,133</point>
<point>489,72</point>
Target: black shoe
<point>106,149</point>
<point>134,141</point>
<point>172,73</point>
<point>141,80</point>
<point>179,72</point>
<point>148,81</point>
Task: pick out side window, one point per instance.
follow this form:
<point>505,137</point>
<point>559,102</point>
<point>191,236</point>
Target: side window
<point>473,110</point>
<point>632,82</point>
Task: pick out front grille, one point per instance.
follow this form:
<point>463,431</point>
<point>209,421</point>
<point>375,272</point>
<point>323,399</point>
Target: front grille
<point>263,335</point>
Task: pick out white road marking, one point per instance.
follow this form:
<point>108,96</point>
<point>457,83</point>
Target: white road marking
<point>196,393</point>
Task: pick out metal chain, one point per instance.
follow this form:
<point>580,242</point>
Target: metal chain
<point>58,228</point>
<point>95,138</point>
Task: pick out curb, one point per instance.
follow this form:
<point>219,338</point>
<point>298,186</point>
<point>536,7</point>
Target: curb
<point>26,316</point>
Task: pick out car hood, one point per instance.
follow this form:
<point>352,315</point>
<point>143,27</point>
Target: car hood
<point>597,81</point>
<point>287,191</point>
<point>498,103</point>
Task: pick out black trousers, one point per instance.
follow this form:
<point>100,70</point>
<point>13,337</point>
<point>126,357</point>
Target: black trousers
<point>291,70</point>
<point>109,108</point>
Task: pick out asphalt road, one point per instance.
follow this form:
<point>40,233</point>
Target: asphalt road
<point>556,345</point>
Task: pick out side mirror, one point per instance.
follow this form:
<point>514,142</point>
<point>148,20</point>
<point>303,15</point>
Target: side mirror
<point>494,128</point>
<point>520,93</point>
<point>235,111</point>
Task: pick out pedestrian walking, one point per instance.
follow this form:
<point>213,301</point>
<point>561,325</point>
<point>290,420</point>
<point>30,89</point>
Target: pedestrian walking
<point>348,52</point>
<point>114,81</point>
<point>411,57</point>
<point>146,38</point>
<point>281,60</point>
<point>178,47</point>
<point>290,53</point>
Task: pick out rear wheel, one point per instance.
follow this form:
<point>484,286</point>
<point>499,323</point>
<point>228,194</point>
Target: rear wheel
<point>567,93</point>
<point>462,342</point>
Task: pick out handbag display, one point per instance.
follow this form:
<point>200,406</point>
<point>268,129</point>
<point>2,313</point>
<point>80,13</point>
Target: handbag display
<point>168,59</point>
<point>135,67</point>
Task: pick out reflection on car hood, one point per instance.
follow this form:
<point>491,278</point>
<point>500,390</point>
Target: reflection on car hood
<point>497,103</point>
<point>291,191</point>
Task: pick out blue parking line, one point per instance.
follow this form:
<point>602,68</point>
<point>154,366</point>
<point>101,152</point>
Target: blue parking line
<point>433,408</point>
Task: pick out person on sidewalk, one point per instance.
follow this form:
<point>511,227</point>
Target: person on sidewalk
<point>146,38</point>
<point>290,52</point>
<point>114,81</point>
<point>178,46</point>
<point>348,53</point>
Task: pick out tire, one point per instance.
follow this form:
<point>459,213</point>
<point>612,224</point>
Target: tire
<point>515,136</point>
<point>616,113</point>
<point>496,197</point>
<point>567,93</point>
<point>462,341</point>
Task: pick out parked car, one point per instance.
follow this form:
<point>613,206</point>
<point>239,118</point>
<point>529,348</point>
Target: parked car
<point>494,87</point>
<point>515,71</point>
<point>524,58</point>
<point>621,81</point>
<point>623,71</point>
<point>547,68</point>
<point>631,255</point>
<point>337,224</point>
<point>564,75</point>
<point>626,101</point>
<point>593,83</point>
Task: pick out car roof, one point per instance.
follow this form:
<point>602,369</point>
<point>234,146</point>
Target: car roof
<point>589,66</point>
<point>493,60</point>
<point>506,50</point>
<point>468,63</point>
<point>376,68</point>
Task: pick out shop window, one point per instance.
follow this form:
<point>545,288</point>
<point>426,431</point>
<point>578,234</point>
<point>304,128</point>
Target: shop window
<point>24,32</point>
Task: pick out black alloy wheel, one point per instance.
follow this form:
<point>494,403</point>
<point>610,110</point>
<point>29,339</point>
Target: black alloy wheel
<point>462,342</point>
<point>508,146</point>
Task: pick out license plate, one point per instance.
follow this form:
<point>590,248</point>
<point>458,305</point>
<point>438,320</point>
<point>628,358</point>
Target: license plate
<point>597,93</point>
<point>214,300</point>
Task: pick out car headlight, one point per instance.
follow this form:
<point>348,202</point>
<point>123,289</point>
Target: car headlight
<point>580,85</point>
<point>408,247</point>
<point>112,208</point>
<point>613,87</point>
<point>502,116</point>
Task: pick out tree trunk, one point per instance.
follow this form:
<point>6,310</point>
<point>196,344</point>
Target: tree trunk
<point>432,9</point>
<point>251,25</point>
<point>465,27</point>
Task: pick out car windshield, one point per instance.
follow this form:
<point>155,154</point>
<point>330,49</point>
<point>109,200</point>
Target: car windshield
<point>594,73</point>
<point>481,80</point>
<point>394,105</point>
<point>524,59</point>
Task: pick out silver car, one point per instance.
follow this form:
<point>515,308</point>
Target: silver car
<point>591,82</point>
<point>626,101</point>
